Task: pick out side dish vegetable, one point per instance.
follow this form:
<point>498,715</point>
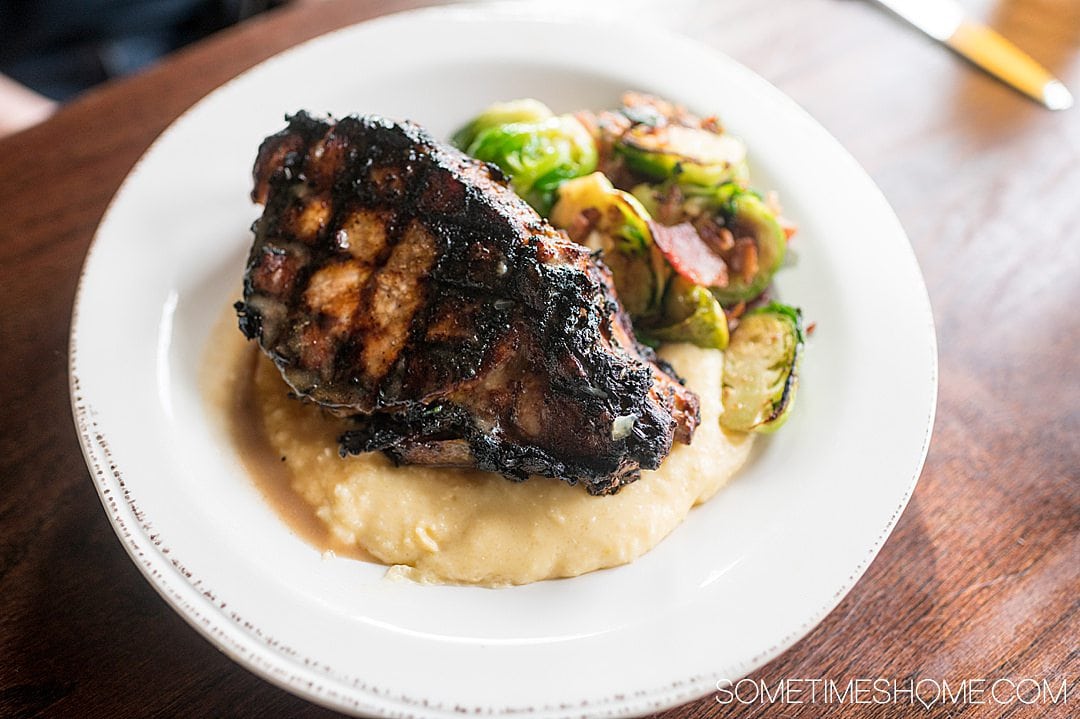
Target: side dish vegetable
<point>536,148</point>
<point>689,155</point>
<point>761,369</point>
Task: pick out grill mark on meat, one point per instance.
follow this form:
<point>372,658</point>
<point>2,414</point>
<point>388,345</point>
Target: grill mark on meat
<point>392,297</point>
<point>332,290</point>
<point>364,233</point>
<point>398,282</point>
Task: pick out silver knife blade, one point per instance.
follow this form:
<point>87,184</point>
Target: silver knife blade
<point>937,18</point>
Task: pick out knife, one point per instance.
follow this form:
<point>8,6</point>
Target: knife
<point>944,21</point>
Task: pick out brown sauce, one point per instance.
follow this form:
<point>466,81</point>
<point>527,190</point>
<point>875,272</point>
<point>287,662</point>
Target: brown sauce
<point>227,382</point>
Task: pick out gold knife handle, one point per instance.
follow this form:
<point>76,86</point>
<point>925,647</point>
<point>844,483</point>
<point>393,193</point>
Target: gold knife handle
<point>1001,58</point>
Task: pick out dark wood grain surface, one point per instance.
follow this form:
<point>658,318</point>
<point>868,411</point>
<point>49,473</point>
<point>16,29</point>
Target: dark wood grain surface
<point>981,578</point>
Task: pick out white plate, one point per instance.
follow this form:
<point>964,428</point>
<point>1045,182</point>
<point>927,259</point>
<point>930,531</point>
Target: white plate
<point>747,574</point>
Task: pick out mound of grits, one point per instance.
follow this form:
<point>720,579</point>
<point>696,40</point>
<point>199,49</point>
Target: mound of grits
<point>463,526</point>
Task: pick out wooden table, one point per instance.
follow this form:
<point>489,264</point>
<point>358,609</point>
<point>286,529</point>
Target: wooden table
<point>981,578</point>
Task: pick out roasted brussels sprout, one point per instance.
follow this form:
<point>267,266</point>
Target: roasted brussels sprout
<point>603,218</point>
<point>691,314</point>
<point>538,154</point>
<point>758,252</point>
<point>500,113</point>
<point>761,369</point>
<point>687,155</point>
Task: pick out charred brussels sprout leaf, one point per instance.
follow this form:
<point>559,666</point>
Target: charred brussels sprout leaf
<point>761,368</point>
<point>691,314</point>
<point>686,154</point>
<point>537,155</point>
<point>613,222</point>
<point>500,113</point>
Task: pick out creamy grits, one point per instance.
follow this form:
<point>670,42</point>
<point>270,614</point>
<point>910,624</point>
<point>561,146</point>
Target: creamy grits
<point>461,526</point>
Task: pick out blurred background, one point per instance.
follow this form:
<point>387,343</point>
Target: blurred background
<point>53,50</point>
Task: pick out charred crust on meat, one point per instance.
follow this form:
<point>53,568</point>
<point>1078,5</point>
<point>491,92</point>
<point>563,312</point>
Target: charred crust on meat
<point>249,320</point>
<point>401,284</point>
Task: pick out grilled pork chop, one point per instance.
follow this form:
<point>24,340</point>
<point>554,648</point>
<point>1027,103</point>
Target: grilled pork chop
<point>399,282</point>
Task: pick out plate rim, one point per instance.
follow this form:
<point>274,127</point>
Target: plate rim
<point>240,640</point>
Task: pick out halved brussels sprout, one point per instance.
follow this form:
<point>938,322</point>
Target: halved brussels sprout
<point>694,315</point>
<point>761,369</point>
<point>686,154</point>
<point>538,156</point>
<point>749,275</point>
<point>619,228</point>
<point>500,113</point>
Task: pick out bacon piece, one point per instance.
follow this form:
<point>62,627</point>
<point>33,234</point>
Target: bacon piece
<point>689,255</point>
